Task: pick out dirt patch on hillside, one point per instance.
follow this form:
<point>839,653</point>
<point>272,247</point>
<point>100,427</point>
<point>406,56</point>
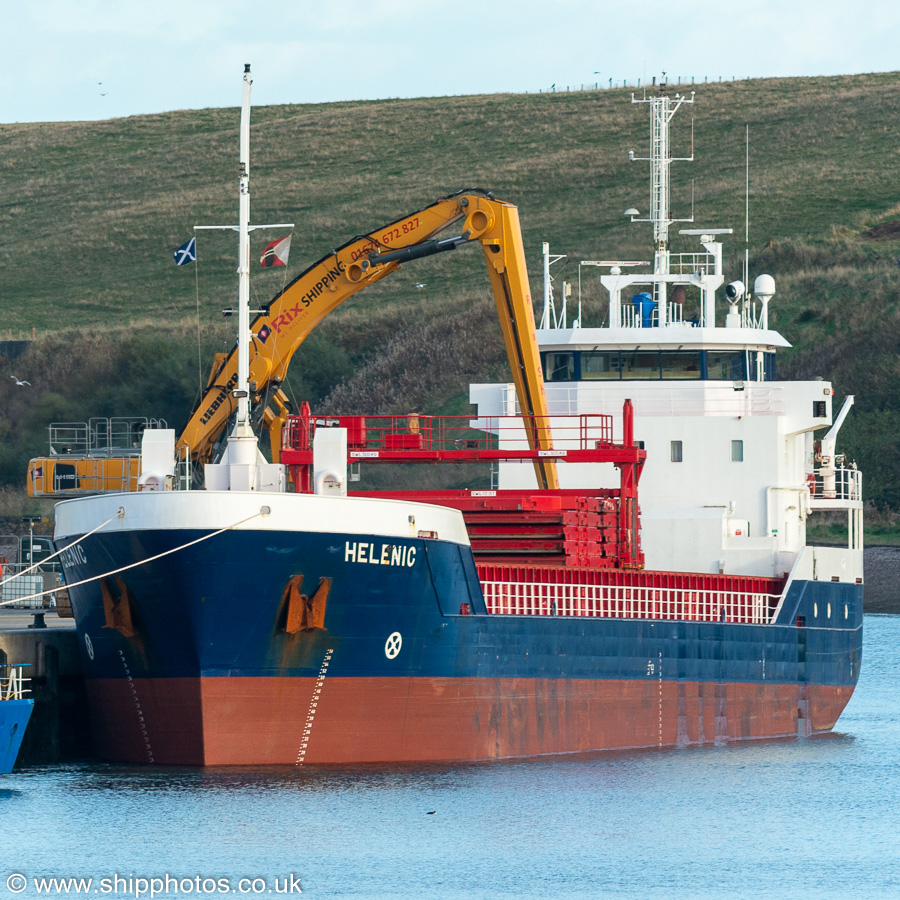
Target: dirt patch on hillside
<point>885,231</point>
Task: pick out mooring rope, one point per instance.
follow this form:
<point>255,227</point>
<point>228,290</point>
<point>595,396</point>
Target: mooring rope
<point>46,559</point>
<point>133,565</point>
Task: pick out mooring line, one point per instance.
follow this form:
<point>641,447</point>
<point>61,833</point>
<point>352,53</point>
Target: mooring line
<point>46,559</point>
<point>133,565</point>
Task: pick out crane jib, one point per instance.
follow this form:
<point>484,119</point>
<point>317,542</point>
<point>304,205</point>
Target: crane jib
<point>220,399</point>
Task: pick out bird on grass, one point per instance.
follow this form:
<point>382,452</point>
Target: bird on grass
<point>20,383</point>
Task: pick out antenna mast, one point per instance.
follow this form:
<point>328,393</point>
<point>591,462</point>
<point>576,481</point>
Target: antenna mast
<point>242,450</point>
<point>747,213</point>
<point>243,391</point>
<point>662,109</point>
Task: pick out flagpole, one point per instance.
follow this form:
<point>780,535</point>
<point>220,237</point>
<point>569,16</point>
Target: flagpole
<point>242,454</point>
<point>243,385</point>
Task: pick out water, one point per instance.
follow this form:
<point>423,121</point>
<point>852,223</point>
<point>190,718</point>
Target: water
<point>812,818</point>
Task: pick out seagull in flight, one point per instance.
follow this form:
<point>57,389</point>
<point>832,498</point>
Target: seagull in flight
<point>19,383</point>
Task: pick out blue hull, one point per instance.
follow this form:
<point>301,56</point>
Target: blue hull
<point>210,621</point>
<point>14,716</point>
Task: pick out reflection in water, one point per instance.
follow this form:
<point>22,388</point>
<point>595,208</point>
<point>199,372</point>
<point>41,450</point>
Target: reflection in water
<point>801,818</point>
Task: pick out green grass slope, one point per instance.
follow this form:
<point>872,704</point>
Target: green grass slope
<point>91,212</point>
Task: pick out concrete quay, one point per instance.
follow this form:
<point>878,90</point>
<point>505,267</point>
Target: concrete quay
<point>59,730</point>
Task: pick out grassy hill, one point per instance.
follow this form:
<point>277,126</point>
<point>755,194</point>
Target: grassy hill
<point>91,212</point>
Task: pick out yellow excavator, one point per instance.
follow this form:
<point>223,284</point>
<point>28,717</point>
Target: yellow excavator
<point>291,315</point>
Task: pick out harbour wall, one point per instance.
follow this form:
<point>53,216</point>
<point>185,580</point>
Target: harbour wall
<point>59,729</point>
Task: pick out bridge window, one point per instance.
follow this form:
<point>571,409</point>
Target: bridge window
<point>640,364</point>
<point>725,365</point>
<point>681,364</point>
<point>761,366</point>
<point>599,364</point>
<point>651,365</point>
<point>559,367</point>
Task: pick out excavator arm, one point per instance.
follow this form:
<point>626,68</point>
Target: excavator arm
<point>311,296</point>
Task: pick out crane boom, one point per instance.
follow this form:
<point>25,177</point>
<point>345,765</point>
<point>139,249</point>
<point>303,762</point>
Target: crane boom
<point>279,330</point>
<point>292,314</point>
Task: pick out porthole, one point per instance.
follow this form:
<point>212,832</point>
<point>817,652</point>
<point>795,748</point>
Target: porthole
<point>816,610</point>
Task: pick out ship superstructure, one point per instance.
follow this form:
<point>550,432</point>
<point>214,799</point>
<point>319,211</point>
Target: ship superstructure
<point>734,469</point>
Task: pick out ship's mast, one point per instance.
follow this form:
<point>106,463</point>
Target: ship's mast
<point>242,443</point>
<point>662,109</point>
<point>242,453</point>
<point>243,386</point>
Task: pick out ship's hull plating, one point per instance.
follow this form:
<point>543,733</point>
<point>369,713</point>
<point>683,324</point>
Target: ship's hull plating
<point>188,661</point>
<point>14,717</point>
<point>270,721</point>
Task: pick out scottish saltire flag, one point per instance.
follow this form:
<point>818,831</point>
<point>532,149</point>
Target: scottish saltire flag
<point>186,253</point>
<point>276,253</point>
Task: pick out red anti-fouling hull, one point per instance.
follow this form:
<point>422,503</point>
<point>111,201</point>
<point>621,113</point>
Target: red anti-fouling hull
<point>289,721</point>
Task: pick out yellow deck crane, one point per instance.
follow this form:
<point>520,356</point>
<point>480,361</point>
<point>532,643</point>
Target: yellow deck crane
<point>279,330</point>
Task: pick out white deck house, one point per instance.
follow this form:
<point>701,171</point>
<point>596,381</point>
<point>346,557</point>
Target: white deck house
<point>734,468</point>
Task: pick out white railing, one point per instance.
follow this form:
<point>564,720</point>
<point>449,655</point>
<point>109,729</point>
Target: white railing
<point>100,436</point>
<point>702,399</point>
<point>837,484</point>
<point>13,684</point>
<point>675,315</point>
<point>632,317</point>
<point>691,263</point>
<point>511,598</point>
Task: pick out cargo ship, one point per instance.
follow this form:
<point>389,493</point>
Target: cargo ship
<point>636,575</point>
<point>15,713</point>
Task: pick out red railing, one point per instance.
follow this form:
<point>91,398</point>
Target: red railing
<point>584,528</point>
<point>419,433</point>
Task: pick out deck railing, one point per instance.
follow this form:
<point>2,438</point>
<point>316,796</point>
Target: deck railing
<point>836,484</point>
<point>702,398</point>
<point>13,684</point>
<point>628,602</point>
<point>416,432</point>
<point>100,436</point>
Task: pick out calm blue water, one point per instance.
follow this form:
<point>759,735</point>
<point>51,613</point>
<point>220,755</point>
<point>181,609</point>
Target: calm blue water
<point>814,818</point>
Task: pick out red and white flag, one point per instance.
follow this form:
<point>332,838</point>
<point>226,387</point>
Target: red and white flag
<point>276,253</point>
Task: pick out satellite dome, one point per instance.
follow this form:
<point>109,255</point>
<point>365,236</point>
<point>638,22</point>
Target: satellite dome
<point>764,287</point>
